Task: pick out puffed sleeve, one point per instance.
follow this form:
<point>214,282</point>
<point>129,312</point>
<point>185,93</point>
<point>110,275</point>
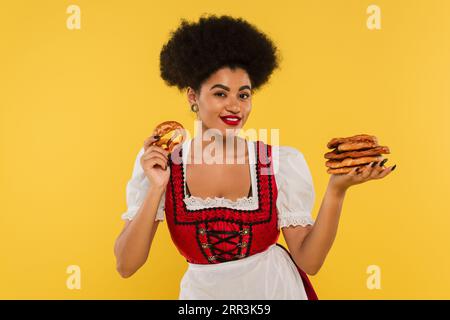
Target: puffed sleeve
<point>295,188</point>
<point>136,190</point>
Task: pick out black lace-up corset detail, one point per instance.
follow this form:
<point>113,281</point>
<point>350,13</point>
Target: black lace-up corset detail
<point>235,241</point>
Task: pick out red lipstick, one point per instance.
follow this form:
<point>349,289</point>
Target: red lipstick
<point>231,120</point>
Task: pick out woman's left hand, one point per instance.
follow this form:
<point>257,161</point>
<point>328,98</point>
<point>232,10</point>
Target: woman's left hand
<point>342,182</point>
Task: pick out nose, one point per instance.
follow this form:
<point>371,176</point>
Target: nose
<point>234,107</point>
<point>233,110</point>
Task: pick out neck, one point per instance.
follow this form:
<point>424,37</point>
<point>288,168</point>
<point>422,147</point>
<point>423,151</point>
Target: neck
<point>234,147</point>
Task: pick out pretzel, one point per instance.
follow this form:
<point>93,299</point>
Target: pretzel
<point>351,162</point>
<point>356,145</point>
<point>333,143</point>
<point>336,154</point>
<point>171,134</point>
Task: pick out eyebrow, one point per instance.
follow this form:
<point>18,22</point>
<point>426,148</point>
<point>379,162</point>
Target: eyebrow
<point>228,89</point>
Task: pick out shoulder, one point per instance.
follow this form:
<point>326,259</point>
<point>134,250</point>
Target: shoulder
<point>284,151</point>
<point>287,151</point>
<point>289,162</point>
<point>287,155</point>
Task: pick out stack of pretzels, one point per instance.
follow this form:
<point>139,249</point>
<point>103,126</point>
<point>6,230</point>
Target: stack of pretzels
<point>355,151</point>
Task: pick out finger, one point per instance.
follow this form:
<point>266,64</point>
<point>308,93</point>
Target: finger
<point>381,164</point>
<point>149,143</point>
<point>375,169</point>
<point>378,167</point>
<point>154,155</point>
<point>386,171</point>
<point>153,150</point>
<point>367,169</point>
<point>157,149</point>
<point>150,140</point>
<point>354,171</point>
<point>157,161</point>
<point>160,150</point>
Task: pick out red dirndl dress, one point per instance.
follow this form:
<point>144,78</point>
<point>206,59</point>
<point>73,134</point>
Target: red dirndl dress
<point>220,234</point>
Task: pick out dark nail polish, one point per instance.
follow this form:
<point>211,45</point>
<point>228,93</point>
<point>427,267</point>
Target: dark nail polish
<point>156,136</point>
<point>383,162</point>
<point>393,167</point>
<point>374,164</point>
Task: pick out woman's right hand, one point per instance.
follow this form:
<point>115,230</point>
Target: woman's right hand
<point>154,162</point>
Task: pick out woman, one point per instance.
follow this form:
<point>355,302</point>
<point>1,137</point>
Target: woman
<point>226,219</point>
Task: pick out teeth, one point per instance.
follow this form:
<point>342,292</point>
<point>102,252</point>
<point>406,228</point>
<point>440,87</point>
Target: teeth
<point>232,119</point>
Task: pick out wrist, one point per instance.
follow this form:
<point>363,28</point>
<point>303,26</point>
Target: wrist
<point>157,189</point>
<point>336,190</point>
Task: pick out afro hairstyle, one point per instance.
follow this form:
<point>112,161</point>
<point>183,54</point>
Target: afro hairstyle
<point>197,50</point>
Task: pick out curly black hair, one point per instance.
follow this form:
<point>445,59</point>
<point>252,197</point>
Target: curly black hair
<point>197,50</point>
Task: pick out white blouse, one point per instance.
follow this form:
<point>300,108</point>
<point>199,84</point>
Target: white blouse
<point>242,279</point>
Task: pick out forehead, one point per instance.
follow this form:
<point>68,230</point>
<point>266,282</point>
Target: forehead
<point>230,77</point>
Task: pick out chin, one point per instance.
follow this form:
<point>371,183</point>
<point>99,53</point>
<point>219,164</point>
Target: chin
<point>231,132</point>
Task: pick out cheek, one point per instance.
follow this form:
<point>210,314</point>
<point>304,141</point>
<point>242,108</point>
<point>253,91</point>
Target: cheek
<point>213,108</point>
<point>210,112</point>
<point>211,103</point>
<point>248,108</point>
<point>247,112</point>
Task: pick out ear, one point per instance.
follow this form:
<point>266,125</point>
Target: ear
<point>192,96</point>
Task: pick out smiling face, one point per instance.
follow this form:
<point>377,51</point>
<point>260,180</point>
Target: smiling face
<point>224,100</point>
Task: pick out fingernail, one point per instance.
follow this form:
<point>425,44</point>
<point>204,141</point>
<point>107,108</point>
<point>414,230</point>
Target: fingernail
<point>383,162</point>
<point>156,136</point>
<point>374,164</point>
<point>393,167</point>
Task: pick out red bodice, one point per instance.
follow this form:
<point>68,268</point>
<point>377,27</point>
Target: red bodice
<point>220,234</point>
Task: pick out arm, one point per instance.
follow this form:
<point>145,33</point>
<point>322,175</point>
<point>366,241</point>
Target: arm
<point>310,246</point>
<point>134,242</point>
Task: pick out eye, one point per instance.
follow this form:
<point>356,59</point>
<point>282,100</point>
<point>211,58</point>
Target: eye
<point>219,94</point>
<point>245,94</point>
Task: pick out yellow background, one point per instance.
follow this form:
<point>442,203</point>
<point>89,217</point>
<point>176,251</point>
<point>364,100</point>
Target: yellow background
<point>76,106</point>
